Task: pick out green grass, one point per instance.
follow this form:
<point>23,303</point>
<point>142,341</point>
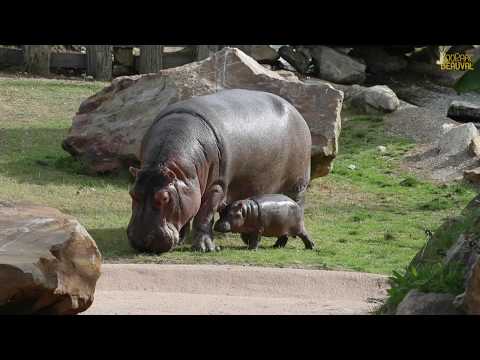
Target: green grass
<point>369,219</point>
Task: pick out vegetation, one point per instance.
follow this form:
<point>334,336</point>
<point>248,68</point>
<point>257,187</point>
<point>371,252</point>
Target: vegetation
<point>470,81</point>
<point>435,278</point>
<point>371,218</point>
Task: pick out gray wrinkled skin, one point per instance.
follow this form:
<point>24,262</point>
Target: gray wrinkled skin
<point>208,151</point>
<point>268,215</point>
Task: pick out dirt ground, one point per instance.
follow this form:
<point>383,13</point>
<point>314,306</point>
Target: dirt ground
<point>233,290</point>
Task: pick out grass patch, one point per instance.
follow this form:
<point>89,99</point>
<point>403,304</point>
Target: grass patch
<point>362,219</point>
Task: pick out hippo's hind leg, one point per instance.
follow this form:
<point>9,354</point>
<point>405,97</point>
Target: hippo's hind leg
<point>281,241</point>
<point>203,221</point>
<point>252,240</point>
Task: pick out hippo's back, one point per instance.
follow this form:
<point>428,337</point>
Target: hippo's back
<point>264,142</point>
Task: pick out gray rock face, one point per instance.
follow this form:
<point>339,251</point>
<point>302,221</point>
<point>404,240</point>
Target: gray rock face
<point>337,67</point>
<point>464,112</point>
<point>372,100</point>
<point>49,264</point>
<point>379,61</point>
<point>457,139</point>
<point>463,251</point>
<point>419,303</point>
<point>261,53</point>
<point>109,126</point>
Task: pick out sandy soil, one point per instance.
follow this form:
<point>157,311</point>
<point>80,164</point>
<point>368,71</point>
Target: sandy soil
<point>234,290</point>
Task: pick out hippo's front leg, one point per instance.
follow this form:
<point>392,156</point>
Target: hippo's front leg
<point>203,221</point>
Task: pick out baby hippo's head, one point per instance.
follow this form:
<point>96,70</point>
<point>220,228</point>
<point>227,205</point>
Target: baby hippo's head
<point>232,218</point>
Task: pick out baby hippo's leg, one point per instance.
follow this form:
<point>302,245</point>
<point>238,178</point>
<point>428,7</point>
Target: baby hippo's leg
<point>281,241</point>
<point>309,244</point>
<point>245,238</point>
<point>253,240</point>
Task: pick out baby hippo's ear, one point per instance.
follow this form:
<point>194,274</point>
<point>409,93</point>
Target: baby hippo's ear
<point>244,210</point>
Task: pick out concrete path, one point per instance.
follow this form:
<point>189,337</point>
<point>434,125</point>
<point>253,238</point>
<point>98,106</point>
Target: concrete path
<point>234,290</point>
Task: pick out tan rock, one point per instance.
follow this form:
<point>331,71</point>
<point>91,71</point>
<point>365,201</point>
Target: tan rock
<point>109,126</point>
<point>472,175</point>
<point>475,146</point>
<point>471,299</point>
<point>49,264</point>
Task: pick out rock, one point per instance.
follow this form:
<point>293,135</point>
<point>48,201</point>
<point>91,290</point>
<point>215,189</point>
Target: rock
<point>475,146</point>
<point>471,298</point>
<point>261,53</point>
<point>285,65</point>
<point>337,67</point>
<point>447,127</point>
<point>379,61</point>
<point>419,303</point>
<point>343,50</point>
<point>457,139</point>
<point>464,112</point>
<point>373,100</point>
<point>109,126</point>
<point>397,50</point>
<point>472,175</point>
<point>300,60</point>
<point>352,167</point>
<point>287,75</point>
<point>463,251</point>
<point>49,264</point>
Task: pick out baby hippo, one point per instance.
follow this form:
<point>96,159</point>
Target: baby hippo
<point>268,215</point>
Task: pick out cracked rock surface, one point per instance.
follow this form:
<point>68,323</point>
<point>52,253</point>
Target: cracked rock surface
<point>49,264</point>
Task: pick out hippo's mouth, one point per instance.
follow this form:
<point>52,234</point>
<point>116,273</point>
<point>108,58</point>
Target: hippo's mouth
<point>163,239</point>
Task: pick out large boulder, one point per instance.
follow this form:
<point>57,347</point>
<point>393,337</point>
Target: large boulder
<point>419,303</point>
<point>471,298</point>
<point>109,126</point>
<point>379,61</point>
<point>264,54</point>
<point>375,100</point>
<point>49,264</point>
<point>337,67</point>
<point>457,139</point>
<point>472,175</point>
<point>463,111</point>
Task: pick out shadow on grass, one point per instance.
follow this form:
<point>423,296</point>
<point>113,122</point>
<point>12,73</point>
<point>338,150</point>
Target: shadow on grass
<point>35,156</point>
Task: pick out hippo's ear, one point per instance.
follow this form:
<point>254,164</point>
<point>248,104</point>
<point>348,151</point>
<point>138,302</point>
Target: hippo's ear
<point>134,171</point>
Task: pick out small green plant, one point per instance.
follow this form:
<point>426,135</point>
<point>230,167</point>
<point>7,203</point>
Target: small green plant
<point>436,204</point>
<point>388,235</point>
<point>409,182</point>
<point>435,278</point>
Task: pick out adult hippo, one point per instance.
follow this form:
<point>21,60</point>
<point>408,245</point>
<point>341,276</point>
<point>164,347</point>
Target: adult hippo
<point>205,152</point>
